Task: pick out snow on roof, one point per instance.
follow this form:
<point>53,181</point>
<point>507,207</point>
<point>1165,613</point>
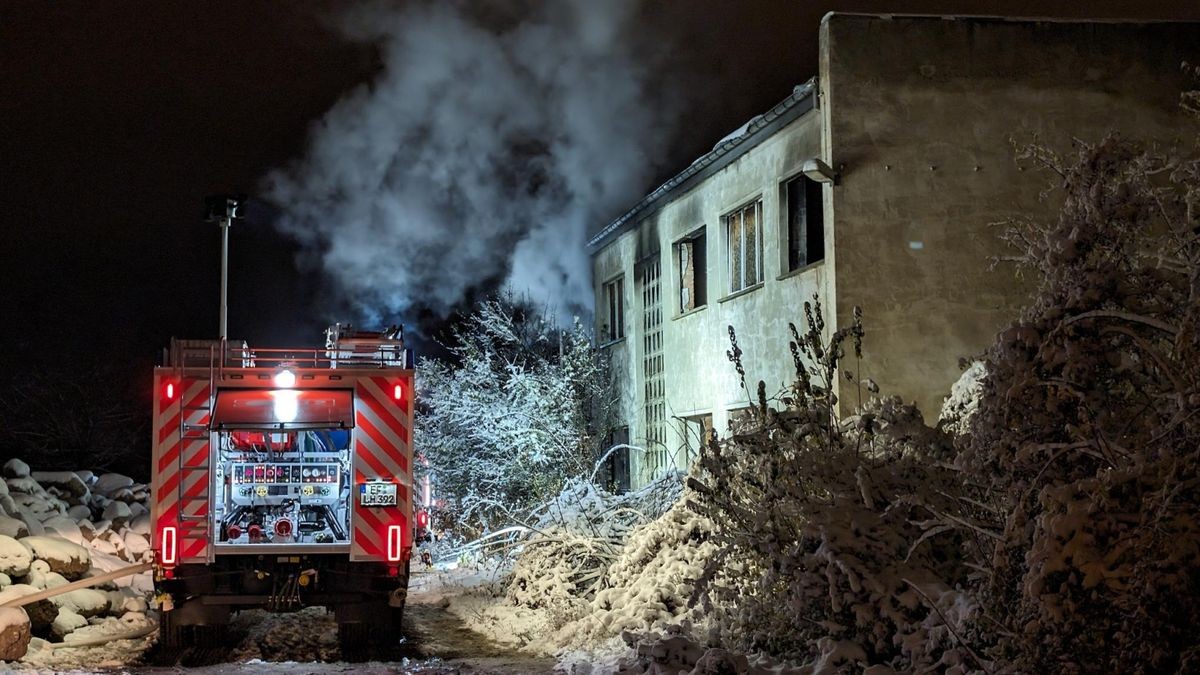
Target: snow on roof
<point>729,148</point>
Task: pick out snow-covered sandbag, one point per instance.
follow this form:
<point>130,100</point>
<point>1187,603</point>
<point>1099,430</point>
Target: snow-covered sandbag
<point>5,581</point>
<point>105,545</point>
<point>66,623</point>
<point>141,524</point>
<point>117,513</point>
<point>137,508</point>
<point>134,604</point>
<point>7,504</point>
<point>86,476</point>
<point>42,506</point>
<point>3,488</point>
<point>65,527</point>
<point>136,545</point>
<point>123,495</point>
<point>41,613</point>
<point>33,524</point>
<point>67,481</point>
<point>67,558</point>
<point>15,559</point>
<point>15,468</point>
<point>108,483</point>
<point>15,633</point>
<point>24,485</point>
<point>87,602</point>
<point>79,512</point>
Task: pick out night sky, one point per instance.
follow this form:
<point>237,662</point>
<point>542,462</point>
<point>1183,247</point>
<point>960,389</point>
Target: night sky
<point>116,118</point>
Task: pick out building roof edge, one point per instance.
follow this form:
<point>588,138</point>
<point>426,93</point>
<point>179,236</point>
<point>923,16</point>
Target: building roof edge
<point>726,151</point>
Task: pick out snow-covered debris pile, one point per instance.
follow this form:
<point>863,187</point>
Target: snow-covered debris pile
<point>577,536</point>
<point>62,526</point>
<point>651,583</point>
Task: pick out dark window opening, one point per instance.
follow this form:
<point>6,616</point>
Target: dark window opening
<point>614,303</point>
<point>805,223</point>
<point>614,472</point>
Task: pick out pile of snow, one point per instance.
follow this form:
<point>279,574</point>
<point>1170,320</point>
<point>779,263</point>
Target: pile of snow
<point>61,526</point>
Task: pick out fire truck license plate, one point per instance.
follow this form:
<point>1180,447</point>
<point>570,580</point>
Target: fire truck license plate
<point>377,494</point>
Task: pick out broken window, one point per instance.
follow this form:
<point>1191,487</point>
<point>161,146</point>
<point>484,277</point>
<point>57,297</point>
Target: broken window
<point>805,222</point>
<point>744,235</point>
<point>697,430</point>
<point>614,472</point>
<point>614,302</point>
<point>693,273</point>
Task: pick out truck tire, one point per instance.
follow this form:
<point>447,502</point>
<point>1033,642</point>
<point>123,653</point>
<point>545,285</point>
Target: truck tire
<point>171,635</point>
<point>353,637</point>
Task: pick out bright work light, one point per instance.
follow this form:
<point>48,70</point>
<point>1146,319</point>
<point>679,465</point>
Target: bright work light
<point>285,379</point>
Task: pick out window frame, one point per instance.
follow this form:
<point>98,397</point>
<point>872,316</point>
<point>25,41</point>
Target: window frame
<point>811,188</point>
<point>614,328</point>
<point>741,285</point>
<point>699,270</point>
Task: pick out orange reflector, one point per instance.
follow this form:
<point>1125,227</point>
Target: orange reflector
<point>394,571</point>
<point>169,545</point>
<point>169,574</point>
<point>393,544</point>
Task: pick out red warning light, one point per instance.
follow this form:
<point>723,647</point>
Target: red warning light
<point>397,391</point>
<point>169,392</point>
<point>423,519</point>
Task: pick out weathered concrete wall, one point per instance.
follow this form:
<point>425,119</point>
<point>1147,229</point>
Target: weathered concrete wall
<point>699,378</point>
<point>919,116</point>
<point>612,261</point>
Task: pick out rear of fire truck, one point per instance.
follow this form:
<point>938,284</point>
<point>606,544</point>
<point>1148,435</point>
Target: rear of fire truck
<point>283,480</point>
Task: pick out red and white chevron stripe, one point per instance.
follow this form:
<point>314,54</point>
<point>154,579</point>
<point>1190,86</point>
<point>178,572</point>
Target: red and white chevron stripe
<point>171,484</point>
<point>382,451</point>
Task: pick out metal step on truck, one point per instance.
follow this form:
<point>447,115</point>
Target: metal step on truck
<point>283,480</point>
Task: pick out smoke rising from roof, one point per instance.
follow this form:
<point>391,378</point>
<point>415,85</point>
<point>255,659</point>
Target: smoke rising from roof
<point>486,148</point>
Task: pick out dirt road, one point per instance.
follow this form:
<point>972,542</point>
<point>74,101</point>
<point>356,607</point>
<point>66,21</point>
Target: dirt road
<point>433,641</point>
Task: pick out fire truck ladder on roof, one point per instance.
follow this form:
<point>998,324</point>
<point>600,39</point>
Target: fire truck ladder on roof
<point>195,523</point>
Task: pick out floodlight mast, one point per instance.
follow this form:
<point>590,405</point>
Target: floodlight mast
<point>222,209</point>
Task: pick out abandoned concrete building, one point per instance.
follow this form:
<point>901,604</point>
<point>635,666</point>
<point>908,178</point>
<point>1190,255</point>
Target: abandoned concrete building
<point>878,184</point>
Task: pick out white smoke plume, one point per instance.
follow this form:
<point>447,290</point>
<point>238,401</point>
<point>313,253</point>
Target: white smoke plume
<point>489,145</point>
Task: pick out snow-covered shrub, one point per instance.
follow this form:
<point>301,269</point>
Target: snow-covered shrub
<point>1087,435</point>
<point>505,424</point>
<point>963,401</point>
<point>836,531</point>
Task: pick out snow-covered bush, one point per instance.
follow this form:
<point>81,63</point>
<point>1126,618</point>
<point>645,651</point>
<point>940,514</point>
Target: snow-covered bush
<point>836,531</point>
<point>505,424</point>
<point>1087,436</point>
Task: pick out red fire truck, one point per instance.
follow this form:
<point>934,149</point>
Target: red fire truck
<point>282,480</point>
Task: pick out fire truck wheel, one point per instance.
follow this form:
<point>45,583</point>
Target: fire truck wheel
<point>352,636</point>
<point>171,635</point>
<point>210,636</point>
